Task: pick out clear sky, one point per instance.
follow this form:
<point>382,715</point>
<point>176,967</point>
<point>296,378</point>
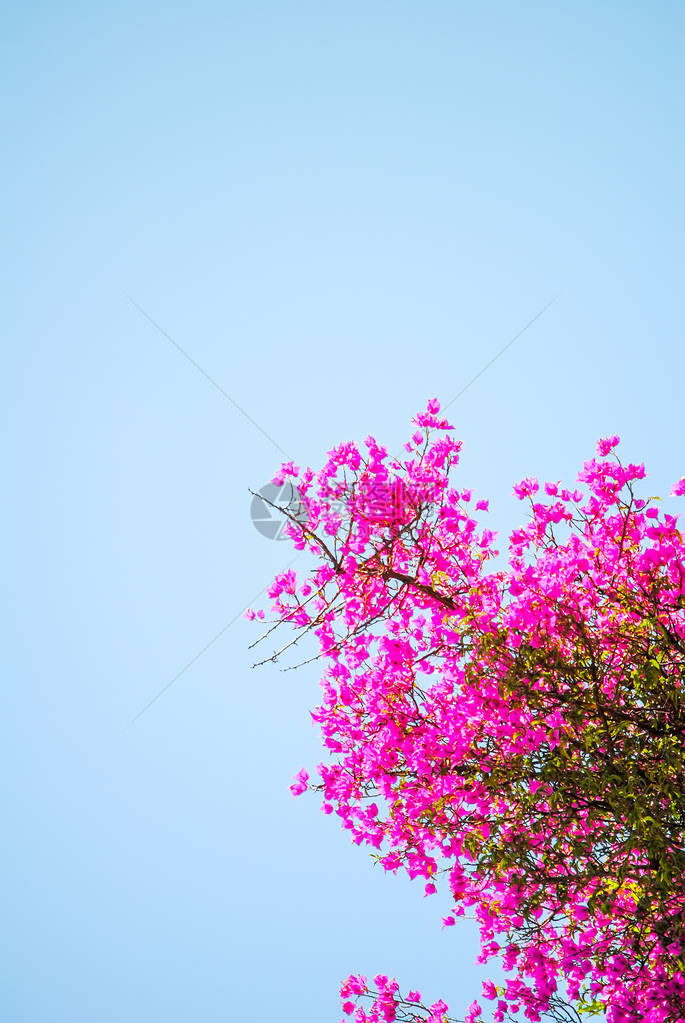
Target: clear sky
<point>338,211</point>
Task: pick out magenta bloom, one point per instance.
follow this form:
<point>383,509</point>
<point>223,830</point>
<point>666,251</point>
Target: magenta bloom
<point>511,730</point>
<point>300,785</point>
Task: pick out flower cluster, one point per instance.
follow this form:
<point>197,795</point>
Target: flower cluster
<point>385,1004</point>
<point>515,734</point>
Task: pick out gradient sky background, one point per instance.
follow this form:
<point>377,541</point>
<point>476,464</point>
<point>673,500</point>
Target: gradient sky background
<point>338,211</point>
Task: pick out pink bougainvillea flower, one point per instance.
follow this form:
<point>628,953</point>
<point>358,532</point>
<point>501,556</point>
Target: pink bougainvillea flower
<point>605,445</point>
<point>300,785</point>
<point>526,488</point>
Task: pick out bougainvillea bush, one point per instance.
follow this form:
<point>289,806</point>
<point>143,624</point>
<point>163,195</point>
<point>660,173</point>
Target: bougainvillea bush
<point>512,729</point>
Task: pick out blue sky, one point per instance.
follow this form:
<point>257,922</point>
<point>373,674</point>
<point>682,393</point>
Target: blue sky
<point>337,212</point>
